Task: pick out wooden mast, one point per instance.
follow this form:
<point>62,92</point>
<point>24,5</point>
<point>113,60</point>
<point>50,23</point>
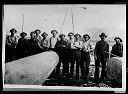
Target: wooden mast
<point>23,23</point>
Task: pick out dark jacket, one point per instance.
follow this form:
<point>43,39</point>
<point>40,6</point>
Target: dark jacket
<point>100,48</point>
<point>33,46</point>
<point>11,42</point>
<point>22,47</point>
<point>117,49</point>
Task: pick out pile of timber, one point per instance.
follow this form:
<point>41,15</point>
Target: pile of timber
<point>114,70</point>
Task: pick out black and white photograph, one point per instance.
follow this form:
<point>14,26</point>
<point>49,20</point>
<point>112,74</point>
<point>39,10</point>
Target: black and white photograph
<point>64,47</point>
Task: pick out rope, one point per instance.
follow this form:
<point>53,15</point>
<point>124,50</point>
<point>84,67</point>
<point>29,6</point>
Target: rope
<point>72,21</point>
<point>64,20</point>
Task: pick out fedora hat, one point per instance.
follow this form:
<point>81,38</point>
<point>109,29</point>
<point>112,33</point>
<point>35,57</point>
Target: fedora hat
<point>118,38</point>
<point>77,35</point>
<point>69,34</point>
<point>102,34</point>
<point>54,31</point>
<point>37,30</point>
<point>13,30</point>
<point>61,35</point>
<point>23,33</point>
<point>44,34</point>
<point>86,35</point>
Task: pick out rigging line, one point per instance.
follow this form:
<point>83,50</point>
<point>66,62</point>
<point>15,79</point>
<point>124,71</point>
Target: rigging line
<point>23,23</point>
<point>72,21</point>
<point>64,20</point>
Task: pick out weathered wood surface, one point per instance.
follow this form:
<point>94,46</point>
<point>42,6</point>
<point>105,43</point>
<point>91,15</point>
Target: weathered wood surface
<point>114,70</point>
<point>32,70</point>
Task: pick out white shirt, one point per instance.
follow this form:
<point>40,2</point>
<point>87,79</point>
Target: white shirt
<point>77,44</point>
<point>53,41</point>
<point>87,46</point>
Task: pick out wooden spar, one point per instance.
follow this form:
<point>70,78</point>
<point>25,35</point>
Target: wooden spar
<point>72,21</point>
<point>63,21</point>
<point>23,23</point>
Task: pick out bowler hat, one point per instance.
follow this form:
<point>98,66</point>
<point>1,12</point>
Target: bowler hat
<point>54,31</point>
<point>37,30</point>
<point>69,34</point>
<point>77,35</point>
<point>13,30</point>
<point>86,35</point>
<point>61,35</point>
<point>23,33</point>
<point>118,38</point>
<point>44,34</point>
<point>102,34</point>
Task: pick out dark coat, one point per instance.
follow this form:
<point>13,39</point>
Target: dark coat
<point>117,49</point>
<point>61,47</point>
<point>100,48</point>
<point>33,46</point>
<point>22,48</point>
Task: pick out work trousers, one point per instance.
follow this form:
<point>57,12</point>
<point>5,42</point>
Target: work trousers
<point>70,60</point>
<point>63,54</point>
<point>103,71</point>
<point>77,59</point>
<point>85,64</point>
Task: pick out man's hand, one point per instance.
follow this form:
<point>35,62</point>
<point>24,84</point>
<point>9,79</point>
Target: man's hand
<point>95,57</point>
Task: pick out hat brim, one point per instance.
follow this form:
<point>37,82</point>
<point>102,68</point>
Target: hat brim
<point>44,34</point>
<point>61,36</point>
<point>54,31</point>
<point>119,39</point>
<point>22,34</point>
<point>77,35</point>
<point>86,36</point>
<point>102,35</point>
<point>13,30</point>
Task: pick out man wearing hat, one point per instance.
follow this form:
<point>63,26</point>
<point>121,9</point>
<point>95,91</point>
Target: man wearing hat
<point>10,48</point>
<point>53,39</point>
<point>61,47</point>
<point>34,45</point>
<point>22,46</point>
<point>86,48</point>
<point>38,38</point>
<point>37,33</point>
<point>101,56</point>
<point>70,53</point>
<point>117,48</point>
<point>44,42</point>
<point>77,46</point>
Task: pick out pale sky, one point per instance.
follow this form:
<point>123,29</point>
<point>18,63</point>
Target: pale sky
<point>110,19</point>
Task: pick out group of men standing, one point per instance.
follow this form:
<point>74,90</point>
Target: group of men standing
<point>72,51</point>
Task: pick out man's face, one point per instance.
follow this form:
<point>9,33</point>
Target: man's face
<point>86,38</point>
<point>77,37</point>
<point>71,36</point>
<point>54,33</point>
<point>13,32</point>
<point>37,32</point>
<point>117,40</point>
<point>45,36</point>
<point>62,37</point>
<point>102,37</point>
<point>32,35</point>
<point>23,35</point>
